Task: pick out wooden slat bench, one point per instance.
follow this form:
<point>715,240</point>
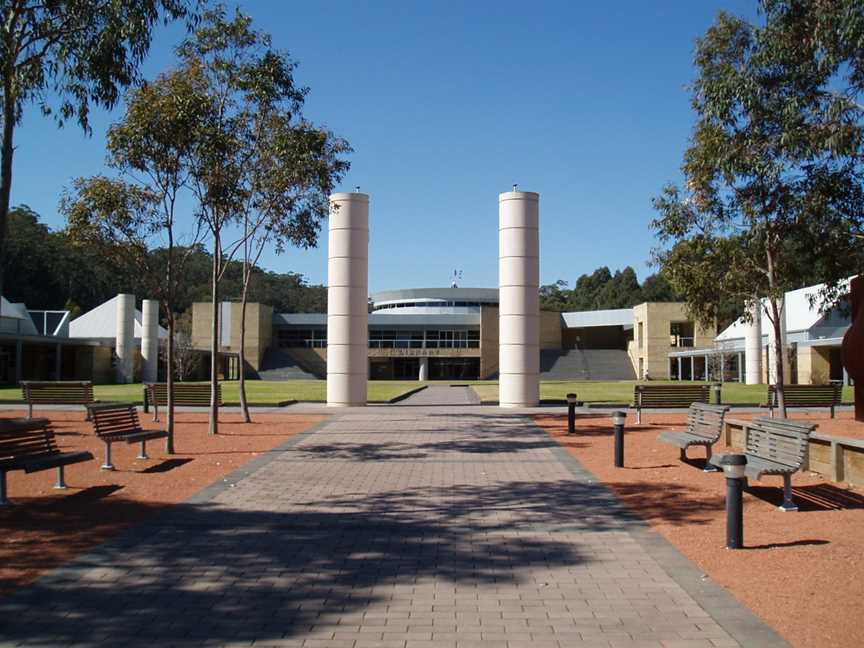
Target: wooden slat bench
<point>114,422</point>
<point>29,445</point>
<point>668,396</point>
<point>66,392</point>
<point>807,396</point>
<point>704,427</point>
<point>776,447</point>
<point>188,394</point>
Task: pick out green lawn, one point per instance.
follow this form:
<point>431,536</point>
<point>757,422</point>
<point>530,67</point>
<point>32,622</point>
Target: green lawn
<point>262,392</point>
<point>270,392</point>
<point>596,391</point>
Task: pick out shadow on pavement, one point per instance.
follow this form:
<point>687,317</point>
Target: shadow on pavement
<point>206,573</point>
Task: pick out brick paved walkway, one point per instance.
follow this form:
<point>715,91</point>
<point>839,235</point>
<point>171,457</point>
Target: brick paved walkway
<point>390,527</point>
<point>443,395</point>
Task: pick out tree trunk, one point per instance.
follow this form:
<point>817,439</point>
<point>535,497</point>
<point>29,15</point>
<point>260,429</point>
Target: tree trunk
<point>214,339</point>
<point>6,167</point>
<point>244,406</point>
<point>778,329</point>
<point>169,379</point>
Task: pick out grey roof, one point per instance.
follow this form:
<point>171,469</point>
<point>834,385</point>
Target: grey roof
<point>444,294</point>
<point>300,319</point>
<point>611,317</point>
<point>382,321</point>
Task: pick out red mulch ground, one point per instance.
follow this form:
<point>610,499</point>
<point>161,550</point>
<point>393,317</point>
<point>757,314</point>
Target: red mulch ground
<point>801,572</point>
<point>47,528</point>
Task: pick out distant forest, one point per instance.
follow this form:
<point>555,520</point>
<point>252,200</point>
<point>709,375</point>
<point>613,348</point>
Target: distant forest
<point>45,270</point>
<point>602,290</point>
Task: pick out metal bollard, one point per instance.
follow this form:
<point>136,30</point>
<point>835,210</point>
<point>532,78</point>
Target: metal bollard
<point>733,467</point>
<point>718,389</point>
<point>571,413</point>
<point>618,419</point>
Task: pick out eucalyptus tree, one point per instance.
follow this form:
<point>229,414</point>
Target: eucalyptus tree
<point>150,150</point>
<point>773,172</point>
<point>292,167</point>
<point>67,56</point>
<point>260,168</point>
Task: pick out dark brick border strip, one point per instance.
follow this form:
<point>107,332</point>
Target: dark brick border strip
<point>228,481</point>
<point>744,626</point>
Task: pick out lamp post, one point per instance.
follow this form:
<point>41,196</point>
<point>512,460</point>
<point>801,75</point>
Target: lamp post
<point>734,467</point>
<point>618,419</point>
<point>571,413</point>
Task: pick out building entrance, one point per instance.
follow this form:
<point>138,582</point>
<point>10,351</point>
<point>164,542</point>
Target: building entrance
<point>454,368</point>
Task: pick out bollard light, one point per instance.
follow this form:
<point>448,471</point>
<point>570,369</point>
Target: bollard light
<point>734,467</point>
<point>618,419</point>
<point>718,391</point>
<point>571,413</point>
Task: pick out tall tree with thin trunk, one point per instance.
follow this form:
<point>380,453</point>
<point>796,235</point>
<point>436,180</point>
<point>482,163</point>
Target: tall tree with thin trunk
<point>257,109</point>
<point>83,52</point>
<point>773,172</point>
<point>293,168</point>
<point>150,149</point>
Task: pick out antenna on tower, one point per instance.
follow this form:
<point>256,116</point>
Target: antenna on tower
<point>457,277</point>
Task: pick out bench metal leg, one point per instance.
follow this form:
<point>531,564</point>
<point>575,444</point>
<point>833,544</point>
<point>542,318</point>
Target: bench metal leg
<point>638,417</point>
<point>155,411</point>
<point>788,505</point>
<point>682,454</point>
<point>142,453</point>
<point>107,465</point>
<point>29,410</point>
<point>61,483</point>
<point>3,500</point>
<point>709,467</point>
<point>88,417</point>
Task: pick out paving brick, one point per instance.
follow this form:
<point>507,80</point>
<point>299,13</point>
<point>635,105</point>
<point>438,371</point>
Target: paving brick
<point>406,527</point>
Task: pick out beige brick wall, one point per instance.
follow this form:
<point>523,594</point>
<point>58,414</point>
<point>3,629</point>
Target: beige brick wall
<point>651,345</point>
<point>488,341</point>
<point>814,365</point>
<point>259,329</point>
<point>550,330</point>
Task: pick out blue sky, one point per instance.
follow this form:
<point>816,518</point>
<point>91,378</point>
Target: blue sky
<point>447,104</point>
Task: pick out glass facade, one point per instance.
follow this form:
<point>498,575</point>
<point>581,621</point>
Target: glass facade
<point>313,338</point>
<point>435,304</point>
<point>386,338</point>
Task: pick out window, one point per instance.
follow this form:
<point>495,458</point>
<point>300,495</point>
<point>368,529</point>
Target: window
<point>681,334</point>
<point>309,338</point>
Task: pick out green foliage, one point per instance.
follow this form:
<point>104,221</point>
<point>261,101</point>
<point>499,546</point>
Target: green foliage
<point>773,171</point>
<point>603,290</point>
<point>80,52</point>
<point>50,271</point>
<point>53,271</point>
<point>775,165</point>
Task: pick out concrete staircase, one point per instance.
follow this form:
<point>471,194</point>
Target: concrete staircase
<point>282,364</point>
<point>563,365</point>
<point>588,364</point>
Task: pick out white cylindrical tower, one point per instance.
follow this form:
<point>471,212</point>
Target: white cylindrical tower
<point>519,298</point>
<point>124,345</point>
<point>772,372</point>
<point>149,340</point>
<point>753,346</point>
<point>348,300</point>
